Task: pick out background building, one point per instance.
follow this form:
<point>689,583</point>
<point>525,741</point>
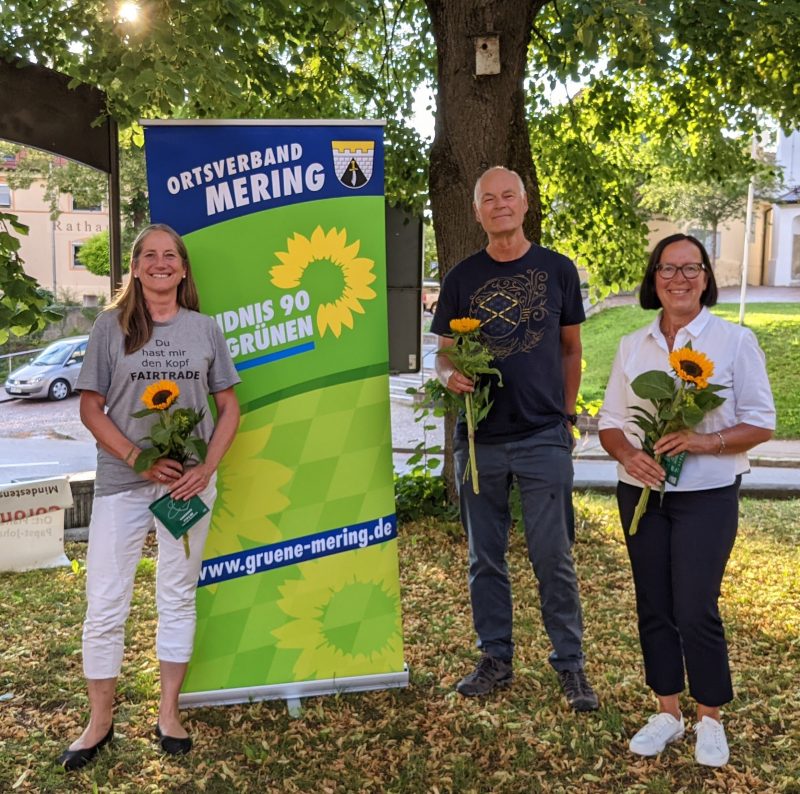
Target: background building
<point>50,248</point>
<point>783,218</point>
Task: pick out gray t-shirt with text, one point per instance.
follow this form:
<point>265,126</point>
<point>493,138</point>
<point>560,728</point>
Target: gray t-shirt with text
<point>189,349</point>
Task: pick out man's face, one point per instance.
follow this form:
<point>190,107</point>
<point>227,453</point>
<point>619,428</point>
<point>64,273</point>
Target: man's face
<point>501,206</point>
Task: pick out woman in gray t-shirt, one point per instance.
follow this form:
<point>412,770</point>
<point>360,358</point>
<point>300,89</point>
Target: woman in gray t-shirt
<point>151,339</point>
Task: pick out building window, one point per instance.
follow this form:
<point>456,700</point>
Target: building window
<point>5,196</point>
<point>707,239</point>
<point>82,206</point>
<point>76,263</point>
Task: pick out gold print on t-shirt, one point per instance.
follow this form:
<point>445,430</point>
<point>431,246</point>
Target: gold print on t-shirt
<point>510,308</point>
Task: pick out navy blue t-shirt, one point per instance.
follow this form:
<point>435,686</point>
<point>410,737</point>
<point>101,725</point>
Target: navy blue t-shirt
<point>522,305</point>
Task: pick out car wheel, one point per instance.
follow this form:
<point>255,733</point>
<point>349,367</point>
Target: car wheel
<point>59,390</point>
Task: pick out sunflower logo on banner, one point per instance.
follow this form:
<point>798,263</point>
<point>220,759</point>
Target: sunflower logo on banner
<point>341,277</point>
<point>352,161</point>
<point>341,627</point>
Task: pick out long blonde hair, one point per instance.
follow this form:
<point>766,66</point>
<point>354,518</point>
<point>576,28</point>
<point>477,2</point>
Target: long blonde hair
<point>134,317</point>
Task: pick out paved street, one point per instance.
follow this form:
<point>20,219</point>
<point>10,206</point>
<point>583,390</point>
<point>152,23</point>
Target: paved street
<point>39,438</point>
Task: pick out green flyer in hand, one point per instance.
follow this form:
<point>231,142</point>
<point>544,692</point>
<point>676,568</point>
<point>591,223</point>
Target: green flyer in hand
<point>672,466</point>
<point>178,515</point>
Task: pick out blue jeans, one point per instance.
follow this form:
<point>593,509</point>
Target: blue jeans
<point>542,466</point>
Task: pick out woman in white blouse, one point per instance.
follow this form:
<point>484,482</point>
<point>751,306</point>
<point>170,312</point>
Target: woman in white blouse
<point>679,554</point>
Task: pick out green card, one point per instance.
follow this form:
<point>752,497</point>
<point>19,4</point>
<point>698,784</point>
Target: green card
<point>178,515</point>
<point>672,466</point>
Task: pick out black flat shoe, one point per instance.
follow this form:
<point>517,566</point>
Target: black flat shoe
<point>76,759</point>
<point>171,745</point>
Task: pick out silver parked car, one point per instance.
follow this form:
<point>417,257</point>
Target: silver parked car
<point>52,374</point>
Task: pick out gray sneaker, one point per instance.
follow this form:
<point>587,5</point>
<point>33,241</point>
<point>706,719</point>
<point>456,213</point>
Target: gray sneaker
<point>490,673</point>
<point>578,690</point>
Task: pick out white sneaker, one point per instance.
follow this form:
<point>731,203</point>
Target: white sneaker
<point>712,746</point>
<point>660,730</point>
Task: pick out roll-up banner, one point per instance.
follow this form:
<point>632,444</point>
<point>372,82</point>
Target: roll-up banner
<point>284,221</point>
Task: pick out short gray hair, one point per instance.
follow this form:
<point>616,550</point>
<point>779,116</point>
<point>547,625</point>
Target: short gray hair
<point>476,195</point>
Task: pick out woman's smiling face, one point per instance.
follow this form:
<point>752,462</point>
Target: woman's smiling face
<point>159,266</point>
<point>680,296</point>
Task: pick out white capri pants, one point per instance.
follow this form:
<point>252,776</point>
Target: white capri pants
<point>117,531</point>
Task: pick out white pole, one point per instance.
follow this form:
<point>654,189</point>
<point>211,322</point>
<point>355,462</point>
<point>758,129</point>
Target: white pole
<point>748,225</point>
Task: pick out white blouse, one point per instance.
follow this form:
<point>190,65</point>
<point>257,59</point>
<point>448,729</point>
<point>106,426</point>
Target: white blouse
<point>739,366</point>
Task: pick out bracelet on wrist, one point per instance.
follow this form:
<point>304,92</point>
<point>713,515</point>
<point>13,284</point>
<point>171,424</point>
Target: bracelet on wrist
<point>131,452</point>
<point>722,444</point>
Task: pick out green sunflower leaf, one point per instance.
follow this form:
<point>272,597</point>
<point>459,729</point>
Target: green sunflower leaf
<point>708,401</point>
<point>145,459</point>
<point>691,414</point>
<point>653,385</point>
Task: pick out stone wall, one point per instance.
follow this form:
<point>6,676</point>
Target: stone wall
<point>82,486</point>
<point>77,320</point>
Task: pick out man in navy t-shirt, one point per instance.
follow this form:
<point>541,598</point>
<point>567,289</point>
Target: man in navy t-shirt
<point>528,301</point>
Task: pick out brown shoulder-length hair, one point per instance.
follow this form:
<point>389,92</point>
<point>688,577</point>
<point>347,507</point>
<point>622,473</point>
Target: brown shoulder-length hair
<point>134,317</point>
<point>648,299</point>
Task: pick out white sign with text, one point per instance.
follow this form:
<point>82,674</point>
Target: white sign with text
<point>32,524</point>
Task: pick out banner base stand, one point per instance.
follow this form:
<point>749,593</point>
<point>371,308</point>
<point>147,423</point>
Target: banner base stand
<point>294,707</point>
<point>294,691</point>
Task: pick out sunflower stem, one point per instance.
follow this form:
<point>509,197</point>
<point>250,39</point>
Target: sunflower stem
<point>641,508</point>
<point>641,505</point>
<point>186,545</point>
<point>471,438</point>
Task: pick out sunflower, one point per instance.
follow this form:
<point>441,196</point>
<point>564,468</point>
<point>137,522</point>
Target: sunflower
<point>692,366</point>
<point>161,394</point>
<point>464,325</point>
<point>344,621</point>
<point>331,247</point>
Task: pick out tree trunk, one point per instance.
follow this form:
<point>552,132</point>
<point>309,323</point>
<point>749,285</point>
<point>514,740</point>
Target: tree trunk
<point>480,122</point>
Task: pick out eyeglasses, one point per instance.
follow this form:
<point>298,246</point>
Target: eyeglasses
<point>692,270</point>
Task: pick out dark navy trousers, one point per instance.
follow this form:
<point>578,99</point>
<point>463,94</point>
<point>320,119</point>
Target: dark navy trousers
<point>678,557</point>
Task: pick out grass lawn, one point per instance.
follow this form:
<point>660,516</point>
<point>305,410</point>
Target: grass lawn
<point>426,738</point>
<point>777,326</point>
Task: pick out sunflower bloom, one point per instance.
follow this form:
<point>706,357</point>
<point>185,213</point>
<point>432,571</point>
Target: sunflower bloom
<point>692,366</point>
<point>464,325</point>
<point>331,247</point>
<point>161,394</point>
